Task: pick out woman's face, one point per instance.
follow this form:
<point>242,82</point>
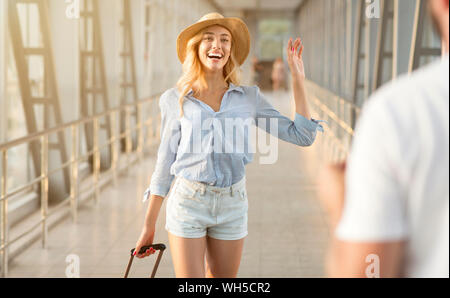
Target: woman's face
<point>215,48</point>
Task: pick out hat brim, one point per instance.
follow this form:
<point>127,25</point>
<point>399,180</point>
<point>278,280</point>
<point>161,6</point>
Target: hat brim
<point>238,29</point>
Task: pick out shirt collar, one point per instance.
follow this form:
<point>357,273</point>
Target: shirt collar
<point>232,87</point>
<point>236,88</point>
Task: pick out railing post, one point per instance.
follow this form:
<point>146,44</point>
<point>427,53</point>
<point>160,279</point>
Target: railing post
<point>140,147</point>
<point>4,223</point>
<point>128,137</point>
<point>150,133</point>
<point>74,176</point>
<point>114,148</point>
<point>152,127</point>
<point>44,187</point>
<point>96,161</point>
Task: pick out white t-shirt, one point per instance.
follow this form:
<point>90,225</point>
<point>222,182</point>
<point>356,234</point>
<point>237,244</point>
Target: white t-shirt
<point>397,183</point>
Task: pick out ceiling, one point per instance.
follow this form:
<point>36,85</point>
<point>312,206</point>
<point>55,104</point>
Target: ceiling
<point>258,4</point>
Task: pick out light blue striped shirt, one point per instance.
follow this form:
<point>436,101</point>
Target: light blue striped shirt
<point>202,146</point>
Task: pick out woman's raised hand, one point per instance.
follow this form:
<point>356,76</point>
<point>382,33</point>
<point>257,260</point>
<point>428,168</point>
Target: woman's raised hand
<point>294,57</point>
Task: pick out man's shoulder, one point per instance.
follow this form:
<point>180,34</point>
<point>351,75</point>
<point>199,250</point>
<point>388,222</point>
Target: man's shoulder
<point>413,86</point>
<point>396,111</point>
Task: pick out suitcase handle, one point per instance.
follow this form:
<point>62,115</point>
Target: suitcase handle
<point>158,246</point>
<point>161,247</point>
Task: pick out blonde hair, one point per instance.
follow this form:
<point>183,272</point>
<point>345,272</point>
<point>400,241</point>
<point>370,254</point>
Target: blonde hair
<point>193,73</point>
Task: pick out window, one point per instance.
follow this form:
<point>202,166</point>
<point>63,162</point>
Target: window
<point>274,34</point>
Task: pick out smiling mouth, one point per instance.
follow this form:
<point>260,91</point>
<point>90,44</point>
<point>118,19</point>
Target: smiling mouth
<point>216,57</point>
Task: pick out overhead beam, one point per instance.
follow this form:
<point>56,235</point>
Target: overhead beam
<point>216,6</point>
<point>299,7</point>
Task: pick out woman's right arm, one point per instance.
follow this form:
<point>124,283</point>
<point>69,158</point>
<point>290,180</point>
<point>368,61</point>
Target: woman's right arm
<point>148,230</point>
<point>162,178</point>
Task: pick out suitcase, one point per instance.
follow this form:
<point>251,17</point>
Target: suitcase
<point>161,247</point>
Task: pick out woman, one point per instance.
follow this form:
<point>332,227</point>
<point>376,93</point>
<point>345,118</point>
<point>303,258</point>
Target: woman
<point>206,212</point>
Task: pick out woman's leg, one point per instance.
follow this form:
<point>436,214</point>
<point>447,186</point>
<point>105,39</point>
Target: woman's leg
<point>223,257</point>
<point>188,256</point>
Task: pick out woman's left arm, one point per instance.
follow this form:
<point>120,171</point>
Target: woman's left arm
<point>302,131</point>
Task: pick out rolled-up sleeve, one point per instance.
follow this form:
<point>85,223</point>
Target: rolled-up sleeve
<point>170,137</point>
<point>300,132</point>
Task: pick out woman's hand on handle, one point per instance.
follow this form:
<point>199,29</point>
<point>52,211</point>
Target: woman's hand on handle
<point>294,57</point>
<point>146,238</point>
<point>148,231</point>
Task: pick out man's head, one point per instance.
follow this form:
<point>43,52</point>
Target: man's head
<point>439,13</point>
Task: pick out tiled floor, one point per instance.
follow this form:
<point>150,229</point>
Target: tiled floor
<point>287,230</point>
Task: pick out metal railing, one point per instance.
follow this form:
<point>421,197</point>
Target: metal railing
<point>336,111</point>
<point>75,159</point>
<point>329,107</point>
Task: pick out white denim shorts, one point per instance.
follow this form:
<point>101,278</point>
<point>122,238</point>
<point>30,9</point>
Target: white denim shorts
<point>195,209</point>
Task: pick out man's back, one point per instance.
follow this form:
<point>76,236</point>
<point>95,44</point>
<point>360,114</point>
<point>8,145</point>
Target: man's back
<point>397,180</point>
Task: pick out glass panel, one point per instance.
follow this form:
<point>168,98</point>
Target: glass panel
<point>36,75</point>
<point>273,34</point>
<point>30,25</point>
<point>17,167</point>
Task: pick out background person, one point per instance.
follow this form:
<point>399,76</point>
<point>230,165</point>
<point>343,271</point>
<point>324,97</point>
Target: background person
<point>257,69</point>
<point>278,75</point>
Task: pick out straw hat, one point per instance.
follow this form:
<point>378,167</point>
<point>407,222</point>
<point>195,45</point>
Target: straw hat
<point>238,29</point>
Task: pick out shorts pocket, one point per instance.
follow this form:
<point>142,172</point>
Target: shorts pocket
<point>186,192</point>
